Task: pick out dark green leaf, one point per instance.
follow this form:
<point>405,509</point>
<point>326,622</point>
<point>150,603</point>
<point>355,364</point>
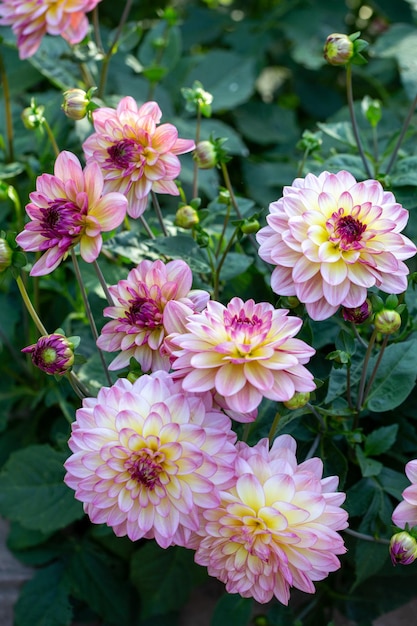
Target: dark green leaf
<point>44,600</point>
<point>232,610</point>
<point>380,440</point>
<point>369,467</point>
<point>369,558</point>
<point>32,491</point>
<point>162,594</point>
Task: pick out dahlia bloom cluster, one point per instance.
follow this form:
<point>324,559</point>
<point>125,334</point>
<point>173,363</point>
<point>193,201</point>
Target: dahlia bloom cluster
<point>138,327</point>
<point>136,155</point>
<point>32,19</point>
<point>69,208</point>
<point>276,527</point>
<point>147,458</point>
<point>331,238</point>
<point>244,352</point>
<point>405,513</point>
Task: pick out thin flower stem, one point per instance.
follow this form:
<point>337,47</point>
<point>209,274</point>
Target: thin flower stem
<point>110,52</point>
<point>314,447</point>
<point>79,387</point>
<point>353,119</point>
<point>96,26</point>
<point>159,213</point>
<point>51,137</point>
<point>89,313</point>
<point>364,371</point>
<point>220,265</point>
<point>234,201</point>
<point>274,427</point>
<point>197,139</point>
<point>358,535</point>
<point>401,135</point>
<point>103,283</point>
<point>8,111</point>
<point>29,306</point>
<point>221,238</point>
<point>377,364</point>
<point>146,227</point>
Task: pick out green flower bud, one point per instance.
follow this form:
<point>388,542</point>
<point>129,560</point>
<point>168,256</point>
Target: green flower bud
<point>250,226</point>
<point>298,400</point>
<point>75,105</point>
<point>387,321</point>
<point>186,217</point>
<point>338,49</point>
<point>403,548</point>
<point>32,117</point>
<point>5,255</point>
<point>205,155</point>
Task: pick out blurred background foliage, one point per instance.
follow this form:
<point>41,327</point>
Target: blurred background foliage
<point>283,111</point>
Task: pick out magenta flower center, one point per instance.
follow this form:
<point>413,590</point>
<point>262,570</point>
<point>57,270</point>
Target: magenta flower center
<point>242,328</point>
<point>346,230</point>
<point>145,469</point>
<point>124,153</point>
<point>144,312</point>
<point>61,219</point>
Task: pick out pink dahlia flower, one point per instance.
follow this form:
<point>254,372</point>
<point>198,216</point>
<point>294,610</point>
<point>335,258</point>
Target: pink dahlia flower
<point>134,153</point>
<point>245,351</point>
<point>138,325</point>
<point>331,238</point>
<point>406,511</point>
<point>32,19</point>
<point>276,528</point>
<point>67,208</point>
<point>148,458</point>
<point>53,354</point>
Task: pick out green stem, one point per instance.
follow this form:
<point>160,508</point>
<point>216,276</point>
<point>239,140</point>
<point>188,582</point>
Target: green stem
<point>8,110</point>
<point>51,137</point>
<point>103,283</point>
<point>222,234</point>
<point>364,371</point>
<point>159,213</point>
<point>110,52</point>
<point>89,313</point>
<point>358,535</point>
<point>29,306</point>
<point>146,227</point>
<point>349,93</point>
<point>377,364</point>
<point>402,134</point>
<point>234,201</point>
<point>274,427</point>
<point>220,265</point>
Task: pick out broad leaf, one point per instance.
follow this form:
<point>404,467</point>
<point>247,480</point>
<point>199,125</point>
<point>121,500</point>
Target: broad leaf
<point>380,440</point>
<point>232,610</point>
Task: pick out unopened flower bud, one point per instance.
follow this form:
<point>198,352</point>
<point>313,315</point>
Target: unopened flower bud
<point>250,226</point>
<point>403,548</point>
<point>338,49</point>
<point>75,105</point>
<point>186,217</point>
<point>298,400</point>
<point>358,314</point>
<point>387,321</point>
<point>5,255</point>
<point>205,155</point>
<point>53,354</point>
<point>33,116</point>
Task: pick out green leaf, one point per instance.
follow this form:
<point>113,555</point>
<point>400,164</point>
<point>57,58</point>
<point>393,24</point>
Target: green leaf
<point>32,491</point>
<point>162,594</point>
<point>100,581</point>
<point>381,440</point>
<point>181,247</point>
<point>230,87</point>
<point>400,43</point>
<point>393,482</point>
<point>44,600</point>
<point>405,172</point>
<point>395,378</point>
<point>235,265</point>
<point>370,557</point>
<point>369,467</point>
<point>359,497</point>
<point>232,610</point>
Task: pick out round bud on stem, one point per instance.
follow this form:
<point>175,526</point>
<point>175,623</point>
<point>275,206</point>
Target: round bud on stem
<point>5,255</point>
<point>358,314</point>
<point>75,105</point>
<point>338,49</point>
<point>403,548</point>
<point>53,354</point>
<point>298,400</point>
<point>186,217</point>
<point>205,155</point>
<point>387,321</point>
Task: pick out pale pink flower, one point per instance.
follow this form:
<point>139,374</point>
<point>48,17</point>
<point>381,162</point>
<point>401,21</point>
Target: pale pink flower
<point>245,351</point>
<point>406,511</point>
<point>138,325</point>
<point>32,19</point>
<point>69,208</point>
<point>331,238</point>
<point>276,528</point>
<point>148,458</point>
<point>135,154</point>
